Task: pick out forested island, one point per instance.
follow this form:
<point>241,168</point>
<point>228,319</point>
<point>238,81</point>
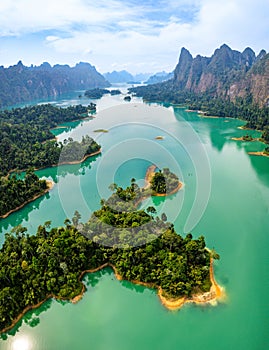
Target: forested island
<point>98,93</point>
<point>74,152</point>
<point>27,142</point>
<point>140,247</point>
<point>15,193</point>
<point>25,136</point>
<point>164,182</point>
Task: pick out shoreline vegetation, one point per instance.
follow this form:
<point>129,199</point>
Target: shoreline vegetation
<point>26,133</point>
<point>139,246</point>
<point>215,294</point>
<point>148,178</point>
<point>62,163</point>
<point>244,139</point>
<point>160,182</point>
<point>254,114</point>
<point>50,184</point>
<point>203,114</point>
<point>78,161</point>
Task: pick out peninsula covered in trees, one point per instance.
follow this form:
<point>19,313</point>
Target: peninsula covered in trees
<point>139,246</point>
<point>15,193</point>
<point>27,142</point>
<point>25,136</point>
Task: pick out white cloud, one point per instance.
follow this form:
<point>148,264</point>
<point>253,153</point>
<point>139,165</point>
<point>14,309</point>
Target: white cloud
<point>114,31</point>
<point>51,38</point>
<point>24,16</point>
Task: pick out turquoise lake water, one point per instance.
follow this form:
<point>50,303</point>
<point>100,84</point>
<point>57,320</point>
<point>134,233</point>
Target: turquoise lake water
<point>225,198</point>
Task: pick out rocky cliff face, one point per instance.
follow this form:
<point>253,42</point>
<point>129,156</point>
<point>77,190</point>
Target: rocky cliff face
<point>226,74</point>
<point>20,84</point>
<point>255,84</point>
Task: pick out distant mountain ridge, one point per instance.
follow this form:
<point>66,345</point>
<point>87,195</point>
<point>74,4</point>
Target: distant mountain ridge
<point>227,74</point>
<point>124,76</point>
<point>159,77</point>
<point>19,84</point>
<point>118,76</point>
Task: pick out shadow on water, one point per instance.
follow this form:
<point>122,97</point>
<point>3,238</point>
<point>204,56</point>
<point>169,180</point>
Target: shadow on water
<point>92,279</point>
<point>136,287</point>
<point>63,170</point>
<point>54,173</point>
<point>261,167</point>
<point>17,217</point>
<point>221,131</point>
<point>157,201</point>
<point>31,318</point>
<point>69,126</point>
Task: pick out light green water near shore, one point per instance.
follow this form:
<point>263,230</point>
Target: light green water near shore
<point>118,315</point>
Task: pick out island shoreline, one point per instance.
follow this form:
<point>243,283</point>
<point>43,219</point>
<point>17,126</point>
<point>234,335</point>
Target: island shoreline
<point>242,139</point>
<point>50,185</point>
<point>261,154</point>
<point>216,293</point>
<point>78,161</point>
<point>62,163</point>
<point>148,177</point>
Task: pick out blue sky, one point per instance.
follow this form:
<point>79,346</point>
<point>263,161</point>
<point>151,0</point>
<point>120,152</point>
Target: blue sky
<point>140,36</point>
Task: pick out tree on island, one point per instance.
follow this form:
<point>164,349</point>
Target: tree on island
<point>26,139</point>
<point>140,247</point>
<point>14,191</point>
<point>164,181</point>
<point>151,210</point>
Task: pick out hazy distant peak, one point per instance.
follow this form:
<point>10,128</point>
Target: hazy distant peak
<point>45,65</point>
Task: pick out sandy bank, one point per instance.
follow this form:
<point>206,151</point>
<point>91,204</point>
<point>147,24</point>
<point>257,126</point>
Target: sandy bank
<point>50,185</point>
<point>201,113</point>
<point>78,161</point>
<point>60,127</point>
<point>194,111</point>
<point>209,116</point>
<point>149,175</point>
<point>175,190</point>
<point>258,154</point>
<point>242,139</point>
<point>215,294</point>
<point>243,127</point>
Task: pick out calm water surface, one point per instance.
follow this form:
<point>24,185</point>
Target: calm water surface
<point>227,194</point>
